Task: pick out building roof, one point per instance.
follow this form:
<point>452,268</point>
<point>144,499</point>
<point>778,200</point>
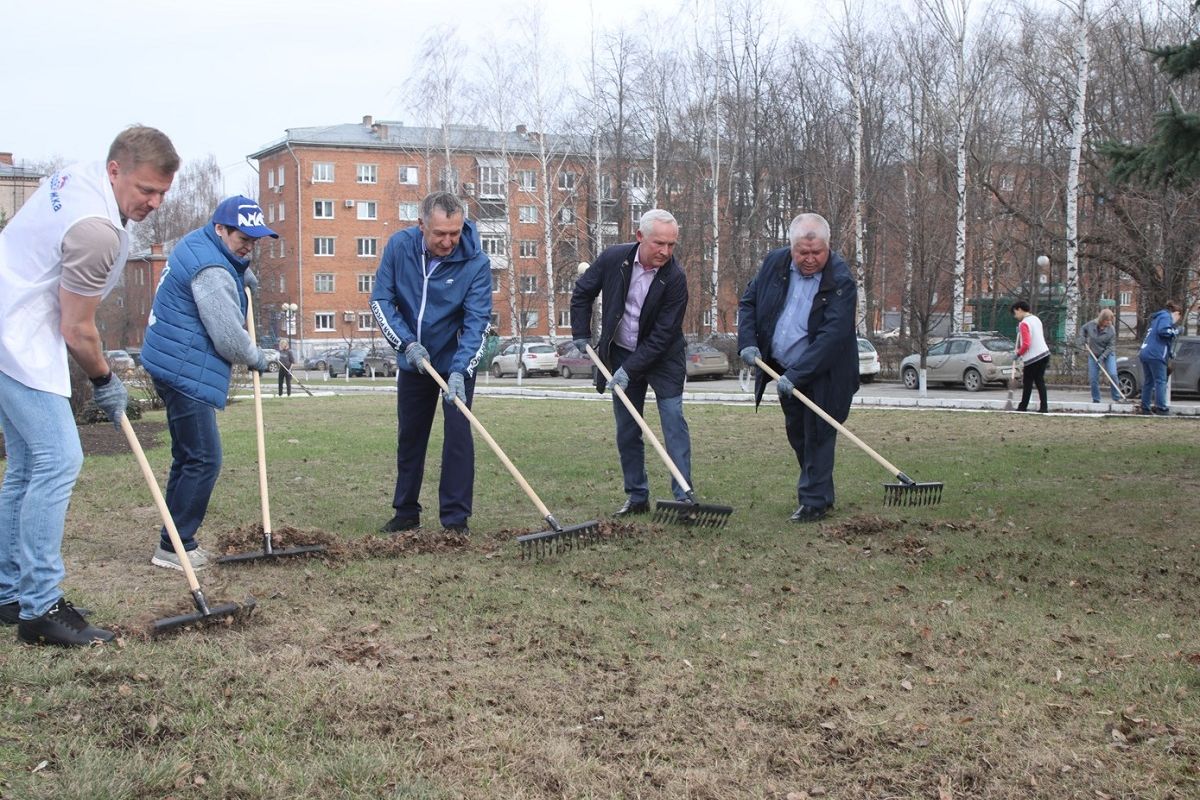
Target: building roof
<point>20,173</point>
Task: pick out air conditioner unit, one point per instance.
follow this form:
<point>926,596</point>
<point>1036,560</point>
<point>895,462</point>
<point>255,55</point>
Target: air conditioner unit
<point>348,316</point>
<point>469,189</point>
<point>349,204</point>
<point>278,190</point>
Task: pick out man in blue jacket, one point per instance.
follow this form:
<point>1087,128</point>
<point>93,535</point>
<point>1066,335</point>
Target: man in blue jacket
<point>798,316</point>
<point>196,334</point>
<point>1155,353</point>
<point>433,302</point>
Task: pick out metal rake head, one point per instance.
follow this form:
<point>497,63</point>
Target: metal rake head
<point>558,540</point>
<point>911,493</point>
<point>684,512</point>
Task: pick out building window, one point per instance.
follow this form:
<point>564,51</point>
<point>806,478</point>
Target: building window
<point>706,318</point>
<point>529,248</point>
<point>366,321</point>
<point>527,214</point>
<point>408,176</point>
<point>566,181</point>
<point>495,282</point>
<point>1126,299</point>
<point>566,216</point>
<point>527,180</point>
<point>281,212</point>
<point>323,282</point>
<point>492,245</point>
<point>408,211</point>
<point>279,183</point>
<point>637,179</point>
<point>270,219</point>
<point>322,209</point>
<point>282,285</point>
<point>564,318</point>
<point>271,178</point>
<point>606,187</point>
<point>322,172</point>
<point>449,180</point>
<point>528,284</point>
<point>282,249</point>
<point>636,210</point>
<point>323,246</point>
<point>366,283</point>
<point>367,209</point>
<point>323,322</point>
<point>367,247</point>
<point>368,173</point>
<point>491,181</point>
<point>495,320</point>
<point>531,321</point>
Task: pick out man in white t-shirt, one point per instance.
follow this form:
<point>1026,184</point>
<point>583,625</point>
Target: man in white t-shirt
<point>61,254</point>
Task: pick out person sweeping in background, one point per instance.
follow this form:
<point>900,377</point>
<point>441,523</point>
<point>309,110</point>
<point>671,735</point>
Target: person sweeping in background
<point>1034,354</point>
<point>1100,338</point>
<point>1154,355</point>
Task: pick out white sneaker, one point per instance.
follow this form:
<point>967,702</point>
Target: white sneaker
<point>200,558</point>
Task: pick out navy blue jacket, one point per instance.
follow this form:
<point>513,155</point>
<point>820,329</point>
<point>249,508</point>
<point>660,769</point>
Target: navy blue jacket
<point>828,369</point>
<point>177,349</point>
<point>659,358</point>
<point>1160,335</point>
<point>447,312</point>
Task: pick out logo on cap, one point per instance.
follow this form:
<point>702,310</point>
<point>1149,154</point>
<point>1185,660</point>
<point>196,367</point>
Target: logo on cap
<point>250,219</point>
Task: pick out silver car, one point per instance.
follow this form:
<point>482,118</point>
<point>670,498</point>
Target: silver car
<point>1185,369</point>
<point>538,358</point>
<point>973,361</point>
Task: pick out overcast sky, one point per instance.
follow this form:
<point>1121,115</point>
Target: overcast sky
<point>226,77</point>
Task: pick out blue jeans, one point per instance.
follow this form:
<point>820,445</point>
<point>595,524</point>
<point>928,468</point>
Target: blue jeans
<point>1110,366</point>
<point>195,463</point>
<point>1154,379</point>
<point>632,449</point>
<point>44,459</point>
<point>417,399</point>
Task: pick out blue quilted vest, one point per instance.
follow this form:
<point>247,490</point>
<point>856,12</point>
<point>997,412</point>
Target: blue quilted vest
<point>177,350</point>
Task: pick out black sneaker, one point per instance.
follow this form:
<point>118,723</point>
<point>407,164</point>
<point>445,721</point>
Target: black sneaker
<point>61,626</point>
<point>399,523</point>
<point>805,514</point>
<point>10,613</point>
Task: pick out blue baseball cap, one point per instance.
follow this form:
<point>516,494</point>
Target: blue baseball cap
<point>245,215</point>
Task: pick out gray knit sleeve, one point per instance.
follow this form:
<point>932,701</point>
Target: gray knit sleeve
<point>215,293</point>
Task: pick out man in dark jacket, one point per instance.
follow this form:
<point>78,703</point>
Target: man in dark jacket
<point>797,315</point>
<point>644,295</point>
<point>433,301</point>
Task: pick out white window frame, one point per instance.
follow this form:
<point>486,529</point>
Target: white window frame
<point>492,181</point>
<point>527,284</point>
<point>323,321</point>
<point>281,215</point>
<point>367,247</point>
<point>366,321</point>
<point>279,182</point>
<point>529,248</point>
<point>367,173</point>
<point>566,215</point>
<point>322,172</point>
<point>527,180</point>
<point>366,282</point>
<point>531,319</point>
<point>495,282</point>
<point>320,249</point>
<point>323,209</point>
<point>492,244</point>
<point>368,209</point>
<point>415,209</point>
<point>564,318</point>
<point>567,180</point>
<point>527,215</point>
<point>409,175</point>
<point>324,282</point>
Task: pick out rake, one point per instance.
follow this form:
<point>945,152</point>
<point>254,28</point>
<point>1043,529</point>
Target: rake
<point>297,380</point>
<point>205,614</point>
<point>905,493</point>
<point>684,512</point>
<point>268,552</point>
<point>557,538</point>
<point>1107,377</point>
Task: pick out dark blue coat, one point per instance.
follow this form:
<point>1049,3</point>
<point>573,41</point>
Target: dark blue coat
<point>828,370</point>
<point>659,358</point>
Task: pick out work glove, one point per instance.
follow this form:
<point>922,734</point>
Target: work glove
<point>784,386</point>
<point>748,355</point>
<point>250,280</point>
<point>456,389</point>
<point>112,398</point>
<point>416,353</point>
<point>620,378</point>
<point>261,364</point>
<point>581,346</point>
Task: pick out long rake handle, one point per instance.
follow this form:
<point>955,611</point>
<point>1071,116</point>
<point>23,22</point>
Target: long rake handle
<point>487,437</point>
<point>258,424</point>
<point>820,412</point>
<point>169,523</point>
<point>1104,372</point>
<point>297,380</point>
<point>662,452</point>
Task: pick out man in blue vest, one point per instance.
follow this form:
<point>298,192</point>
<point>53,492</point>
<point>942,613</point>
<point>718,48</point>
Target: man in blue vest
<point>197,332</point>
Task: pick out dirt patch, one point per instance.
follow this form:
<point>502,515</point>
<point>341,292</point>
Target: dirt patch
<point>102,439</point>
<point>865,525</point>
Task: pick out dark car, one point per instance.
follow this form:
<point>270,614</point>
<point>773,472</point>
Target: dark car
<point>380,361</point>
<point>574,364</point>
<point>1185,369</point>
<point>353,360</point>
<point>319,361</point>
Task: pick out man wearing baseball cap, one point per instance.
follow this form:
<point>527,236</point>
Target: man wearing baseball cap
<point>197,332</point>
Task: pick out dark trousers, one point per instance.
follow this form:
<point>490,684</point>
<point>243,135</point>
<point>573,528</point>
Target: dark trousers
<point>631,447</point>
<point>195,463</point>
<point>417,399</point>
<point>285,376</point>
<point>1034,374</point>
<point>814,441</point>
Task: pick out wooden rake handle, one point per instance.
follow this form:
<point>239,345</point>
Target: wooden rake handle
<point>163,512</point>
<point>487,437</point>
<point>1104,372</point>
<point>820,412</point>
<point>649,434</point>
<point>258,422</point>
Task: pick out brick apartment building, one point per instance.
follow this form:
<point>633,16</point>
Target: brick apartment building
<point>16,185</point>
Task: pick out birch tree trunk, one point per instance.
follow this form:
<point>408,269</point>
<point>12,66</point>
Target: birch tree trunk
<point>1078,123</point>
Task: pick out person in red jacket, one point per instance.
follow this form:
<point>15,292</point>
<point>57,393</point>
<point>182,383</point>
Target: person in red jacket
<point>1033,353</point>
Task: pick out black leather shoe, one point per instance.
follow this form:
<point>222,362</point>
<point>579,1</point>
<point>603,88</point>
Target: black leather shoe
<point>61,626</point>
<point>399,523</point>
<point>10,613</point>
<point>808,514</point>
<point>632,507</point>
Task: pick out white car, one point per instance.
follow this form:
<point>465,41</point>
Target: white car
<point>868,361</point>
<point>538,358</point>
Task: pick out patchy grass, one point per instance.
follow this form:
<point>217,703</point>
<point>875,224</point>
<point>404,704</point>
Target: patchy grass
<point>1034,636</point>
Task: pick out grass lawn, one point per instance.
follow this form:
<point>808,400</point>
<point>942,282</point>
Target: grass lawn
<point>1034,636</point>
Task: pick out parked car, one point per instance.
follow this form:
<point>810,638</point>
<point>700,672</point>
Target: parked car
<point>355,357</point>
<point>868,361</point>
<point>574,364</point>
<point>319,361</point>
<point>120,361</point>
<point>705,361</point>
<point>380,361</point>
<point>972,359</point>
<point>1185,369</point>
<point>537,358</point>
<point>136,354</point>
<point>272,359</point>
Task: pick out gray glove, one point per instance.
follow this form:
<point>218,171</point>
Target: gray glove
<point>784,386</point>
<point>620,378</point>
<point>112,398</point>
<point>416,353</point>
<point>456,389</point>
<point>250,280</point>
<point>748,355</point>
<point>581,346</point>
<point>260,365</point>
